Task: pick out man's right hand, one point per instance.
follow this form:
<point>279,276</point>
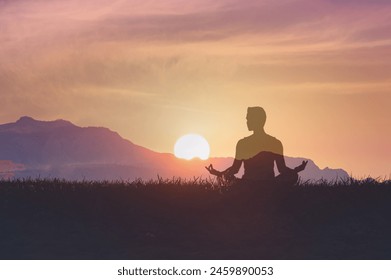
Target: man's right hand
<point>213,171</point>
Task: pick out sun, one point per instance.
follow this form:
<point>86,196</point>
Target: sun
<point>192,146</point>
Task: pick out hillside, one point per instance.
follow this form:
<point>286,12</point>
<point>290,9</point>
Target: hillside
<point>61,149</point>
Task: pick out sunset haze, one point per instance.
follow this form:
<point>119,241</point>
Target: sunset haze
<point>156,70</point>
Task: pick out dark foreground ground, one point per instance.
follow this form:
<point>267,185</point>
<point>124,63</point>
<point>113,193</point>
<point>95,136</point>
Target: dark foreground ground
<point>175,220</point>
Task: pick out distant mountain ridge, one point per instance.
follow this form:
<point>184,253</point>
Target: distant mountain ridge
<point>63,150</point>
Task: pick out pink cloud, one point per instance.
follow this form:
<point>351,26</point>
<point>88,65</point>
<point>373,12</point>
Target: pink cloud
<point>8,168</point>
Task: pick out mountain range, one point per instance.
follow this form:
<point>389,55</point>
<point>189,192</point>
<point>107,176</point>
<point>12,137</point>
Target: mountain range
<point>60,149</point>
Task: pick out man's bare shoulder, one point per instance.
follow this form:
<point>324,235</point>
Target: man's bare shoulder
<point>273,139</point>
<point>245,140</point>
<point>266,137</point>
<point>274,144</point>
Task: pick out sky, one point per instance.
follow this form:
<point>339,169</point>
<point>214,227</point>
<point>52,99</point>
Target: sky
<point>156,70</point>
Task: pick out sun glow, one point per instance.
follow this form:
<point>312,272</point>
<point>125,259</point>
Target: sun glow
<point>192,146</point>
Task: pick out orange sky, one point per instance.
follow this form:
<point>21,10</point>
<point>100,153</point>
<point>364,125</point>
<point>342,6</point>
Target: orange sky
<point>155,70</point>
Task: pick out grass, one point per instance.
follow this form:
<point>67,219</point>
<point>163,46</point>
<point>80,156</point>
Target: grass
<point>194,219</point>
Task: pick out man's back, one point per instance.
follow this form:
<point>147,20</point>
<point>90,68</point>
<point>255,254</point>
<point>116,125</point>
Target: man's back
<point>258,153</point>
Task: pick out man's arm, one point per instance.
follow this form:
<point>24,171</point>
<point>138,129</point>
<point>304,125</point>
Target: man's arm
<point>230,171</point>
<point>280,161</point>
<point>234,167</point>
<point>281,166</point>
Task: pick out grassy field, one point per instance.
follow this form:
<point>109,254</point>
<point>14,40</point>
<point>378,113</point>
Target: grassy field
<point>175,219</point>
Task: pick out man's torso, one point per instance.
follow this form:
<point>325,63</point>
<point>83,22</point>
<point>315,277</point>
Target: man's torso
<point>258,153</point>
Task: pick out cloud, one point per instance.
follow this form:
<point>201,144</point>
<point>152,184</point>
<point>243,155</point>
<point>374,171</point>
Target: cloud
<point>7,169</point>
<point>211,25</point>
<point>46,25</point>
<point>359,2</point>
<point>133,43</point>
<point>376,33</point>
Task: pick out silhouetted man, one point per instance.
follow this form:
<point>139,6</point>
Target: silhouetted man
<point>258,152</point>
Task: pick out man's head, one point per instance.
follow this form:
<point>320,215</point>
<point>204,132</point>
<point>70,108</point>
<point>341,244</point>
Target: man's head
<point>256,118</point>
